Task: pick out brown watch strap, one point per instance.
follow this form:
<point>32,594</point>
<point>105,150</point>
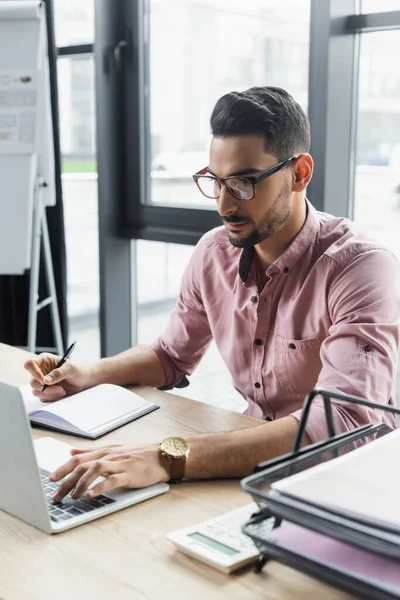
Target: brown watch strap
<point>177,469</point>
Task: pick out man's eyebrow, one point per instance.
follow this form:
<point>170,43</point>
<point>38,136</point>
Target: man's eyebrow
<point>247,171</point>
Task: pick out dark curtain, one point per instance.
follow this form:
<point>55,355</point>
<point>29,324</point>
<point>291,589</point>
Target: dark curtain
<point>14,289</point>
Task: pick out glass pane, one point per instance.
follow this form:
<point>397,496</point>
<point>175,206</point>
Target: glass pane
<point>77,114</point>
<point>74,22</point>
<point>377,6</point>
<point>200,50</point>
<point>377,190</point>
<point>160,268</point>
<point>79,180</point>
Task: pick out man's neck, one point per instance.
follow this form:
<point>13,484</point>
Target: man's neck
<point>271,249</point>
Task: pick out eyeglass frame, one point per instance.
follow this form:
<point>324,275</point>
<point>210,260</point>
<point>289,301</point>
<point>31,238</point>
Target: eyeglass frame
<point>253,179</point>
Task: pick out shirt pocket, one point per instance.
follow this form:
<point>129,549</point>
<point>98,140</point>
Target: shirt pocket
<point>297,363</point>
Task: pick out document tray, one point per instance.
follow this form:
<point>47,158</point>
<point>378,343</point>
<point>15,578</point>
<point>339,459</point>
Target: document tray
<point>342,530</point>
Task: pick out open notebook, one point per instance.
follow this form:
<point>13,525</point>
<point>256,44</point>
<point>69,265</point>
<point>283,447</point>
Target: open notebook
<point>90,413</point>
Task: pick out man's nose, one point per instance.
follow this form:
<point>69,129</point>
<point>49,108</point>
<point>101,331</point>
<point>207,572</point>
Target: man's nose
<point>226,203</point>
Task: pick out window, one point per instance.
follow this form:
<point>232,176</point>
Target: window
<point>74,26</point>
<point>159,272</point>
<point>77,108</point>
<point>74,22</point>
<point>200,50</point>
<point>375,6</point>
<point>377,185</point>
<point>79,181</point>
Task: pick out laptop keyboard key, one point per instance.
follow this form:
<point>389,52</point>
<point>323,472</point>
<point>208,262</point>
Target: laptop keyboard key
<point>64,517</point>
<point>94,503</point>
<point>74,511</point>
<point>84,507</point>
<point>106,499</point>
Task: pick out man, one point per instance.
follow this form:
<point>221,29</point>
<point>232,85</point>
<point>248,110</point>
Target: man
<point>293,298</point>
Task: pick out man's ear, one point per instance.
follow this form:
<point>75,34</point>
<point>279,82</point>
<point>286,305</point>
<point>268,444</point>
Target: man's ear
<point>302,172</point>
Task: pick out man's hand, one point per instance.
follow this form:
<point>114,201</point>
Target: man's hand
<point>121,466</point>
<point>65,381</point>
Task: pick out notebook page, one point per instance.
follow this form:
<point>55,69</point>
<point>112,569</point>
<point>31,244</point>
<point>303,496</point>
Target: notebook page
<point>31,402</point>
<point>57,423</point>
<point>97,406</point>
<point>364,482</point>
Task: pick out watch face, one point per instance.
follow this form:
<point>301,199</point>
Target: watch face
<point>175,446</point>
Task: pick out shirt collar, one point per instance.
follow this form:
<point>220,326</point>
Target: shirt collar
<point>292,254</point>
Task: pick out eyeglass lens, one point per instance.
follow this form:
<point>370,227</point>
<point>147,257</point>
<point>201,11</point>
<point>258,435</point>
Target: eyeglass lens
<point>240,188</point>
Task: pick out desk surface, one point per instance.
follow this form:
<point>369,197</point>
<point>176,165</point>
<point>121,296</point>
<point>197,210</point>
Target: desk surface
<point>125,556</point>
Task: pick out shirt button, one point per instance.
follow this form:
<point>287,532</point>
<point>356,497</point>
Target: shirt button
<point>292,346</point>
<point>257,384</point>
<point>286,270</point>
<point>253,299</point>
<point>258,342</point>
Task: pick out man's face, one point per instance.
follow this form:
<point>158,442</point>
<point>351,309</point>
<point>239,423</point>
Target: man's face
<point>249,222</point>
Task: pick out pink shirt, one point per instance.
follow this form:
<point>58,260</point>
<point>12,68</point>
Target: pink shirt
<point>329,315</point>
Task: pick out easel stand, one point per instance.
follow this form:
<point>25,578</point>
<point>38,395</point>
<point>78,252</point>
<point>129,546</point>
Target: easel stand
<point>40,233</point>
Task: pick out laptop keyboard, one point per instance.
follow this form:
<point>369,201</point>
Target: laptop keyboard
<point>68,507</point>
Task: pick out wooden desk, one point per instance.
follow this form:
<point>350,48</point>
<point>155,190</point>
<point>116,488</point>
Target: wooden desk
<point>125,556</point>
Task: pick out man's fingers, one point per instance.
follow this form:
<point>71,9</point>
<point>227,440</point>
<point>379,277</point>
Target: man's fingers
<point>75,451</point>
<point>110,483</point>
<point>75,461</point>
<point>97,468</point>
<point>41,358</point>
<point>69,483</point>
<point>35,384</point>
<point>65,469</point>
<point>57,375</point>
<point>33,368</point>
<point>50,394</point>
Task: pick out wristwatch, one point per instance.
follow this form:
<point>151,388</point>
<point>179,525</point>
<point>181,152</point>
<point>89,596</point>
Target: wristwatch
<point>176,450</point>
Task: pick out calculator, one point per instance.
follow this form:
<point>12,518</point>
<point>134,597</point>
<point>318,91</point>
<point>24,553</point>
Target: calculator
<point>220,542</point>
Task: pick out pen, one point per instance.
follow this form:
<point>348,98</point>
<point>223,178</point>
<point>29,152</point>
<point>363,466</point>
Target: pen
<point>62,361</point>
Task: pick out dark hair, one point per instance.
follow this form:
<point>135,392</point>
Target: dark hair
<point>269,111</point>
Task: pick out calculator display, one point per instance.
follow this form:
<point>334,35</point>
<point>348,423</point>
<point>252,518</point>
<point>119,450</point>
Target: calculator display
<point>199,537</point>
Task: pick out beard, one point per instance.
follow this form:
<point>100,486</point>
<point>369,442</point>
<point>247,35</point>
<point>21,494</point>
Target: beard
<point>273,219</point>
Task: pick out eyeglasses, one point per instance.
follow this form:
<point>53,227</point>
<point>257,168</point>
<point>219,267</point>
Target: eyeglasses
<point>242,188</point>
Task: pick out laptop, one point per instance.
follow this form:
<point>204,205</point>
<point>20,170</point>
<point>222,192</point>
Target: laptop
<point>26,492</point>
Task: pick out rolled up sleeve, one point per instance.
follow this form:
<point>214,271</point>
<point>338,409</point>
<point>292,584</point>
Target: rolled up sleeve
<point>187,336</point>
<point>359,356</point>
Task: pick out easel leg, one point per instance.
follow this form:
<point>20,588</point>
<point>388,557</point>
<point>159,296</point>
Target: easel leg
<point>51,286</point>
<point>40,229</point>
<point>34,276</point>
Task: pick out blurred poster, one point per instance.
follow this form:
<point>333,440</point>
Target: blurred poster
<point>18,111</point>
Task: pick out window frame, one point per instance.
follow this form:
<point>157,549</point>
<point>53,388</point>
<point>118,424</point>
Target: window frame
<point>335,30</point>
<point>139,218</point>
